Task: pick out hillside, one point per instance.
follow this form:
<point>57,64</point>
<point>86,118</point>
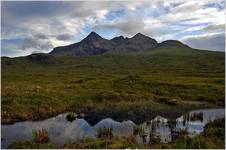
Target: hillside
<point>42,85</point>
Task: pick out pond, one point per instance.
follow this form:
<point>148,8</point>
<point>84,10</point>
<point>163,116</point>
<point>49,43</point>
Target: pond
<point>62,131</point>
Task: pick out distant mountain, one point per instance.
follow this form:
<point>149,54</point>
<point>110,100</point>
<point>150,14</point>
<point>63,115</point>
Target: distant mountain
<point>94,44</point>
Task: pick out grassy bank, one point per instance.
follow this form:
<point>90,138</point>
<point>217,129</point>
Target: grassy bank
<point>38,87</point>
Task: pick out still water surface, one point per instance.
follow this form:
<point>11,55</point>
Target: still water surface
<point>62,131</point>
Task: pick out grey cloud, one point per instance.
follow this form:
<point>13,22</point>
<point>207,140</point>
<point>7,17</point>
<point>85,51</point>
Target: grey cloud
<point>88,8</point>
<point>187,8</point>
<point>64,37</point>
<point>31,9</point>
<point>12,52</point>
<point>31,43</point>
<point>215,27</point>
<point>128,26</point>
<point>11,49</point>
<point>23,19</point>
<point>40,36</point>
<point>210,42</point>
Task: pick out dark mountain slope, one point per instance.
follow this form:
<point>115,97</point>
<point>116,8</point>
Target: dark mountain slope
<point>137,43</point>
<point>94,44</point>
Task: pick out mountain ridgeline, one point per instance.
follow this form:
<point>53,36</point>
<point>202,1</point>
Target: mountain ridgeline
<point>94,44</point>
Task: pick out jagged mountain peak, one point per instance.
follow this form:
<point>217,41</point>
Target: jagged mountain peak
<point>92,37</point>
<point>93,34</point>
<point>140,35</point>
<point>118,39</point>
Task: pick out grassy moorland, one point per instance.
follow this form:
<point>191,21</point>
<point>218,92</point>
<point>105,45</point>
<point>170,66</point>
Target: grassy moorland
<point>213,138</point>
<point>39,86</point>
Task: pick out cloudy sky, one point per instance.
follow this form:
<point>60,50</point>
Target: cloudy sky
<point>39,26</point>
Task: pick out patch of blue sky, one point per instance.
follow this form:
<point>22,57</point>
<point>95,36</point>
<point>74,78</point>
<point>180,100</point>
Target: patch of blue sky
<point>115,14</point>
<point>219,6</point>
<point>175,4</point>
<point>86,30</point>
<point>104,32</point>
<point>107,33</point>
<point>160,12</point>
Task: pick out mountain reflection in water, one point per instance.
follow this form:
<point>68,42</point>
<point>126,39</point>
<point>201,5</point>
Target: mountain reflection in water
<point>62,131</point>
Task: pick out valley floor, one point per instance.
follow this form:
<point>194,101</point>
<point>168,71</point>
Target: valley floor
<point>35,88</point>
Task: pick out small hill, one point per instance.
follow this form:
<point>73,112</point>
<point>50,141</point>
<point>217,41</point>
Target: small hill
<point>41,58</point>
<point>173,43</point>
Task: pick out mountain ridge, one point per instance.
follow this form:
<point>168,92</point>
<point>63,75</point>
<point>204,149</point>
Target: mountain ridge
<point>94,44</point>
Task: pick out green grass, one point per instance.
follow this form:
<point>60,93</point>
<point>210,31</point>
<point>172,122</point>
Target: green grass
<point>38,88</point>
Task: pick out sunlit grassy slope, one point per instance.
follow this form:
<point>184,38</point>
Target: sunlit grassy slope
<point>41,85</point>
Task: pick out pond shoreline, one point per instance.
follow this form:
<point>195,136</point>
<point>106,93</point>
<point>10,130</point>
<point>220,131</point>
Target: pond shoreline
<point>61,130</point>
